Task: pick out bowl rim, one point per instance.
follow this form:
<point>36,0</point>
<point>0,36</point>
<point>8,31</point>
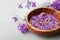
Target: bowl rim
<point>36,29</point>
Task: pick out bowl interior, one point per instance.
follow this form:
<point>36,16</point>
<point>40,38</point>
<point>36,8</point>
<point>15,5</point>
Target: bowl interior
<point>38,11</point>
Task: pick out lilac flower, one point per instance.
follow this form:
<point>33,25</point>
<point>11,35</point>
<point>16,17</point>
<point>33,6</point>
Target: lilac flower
<point>23,28</point>
<point>54,15</point>
<point>37,18</point>
<point>20,6</point>
<point>33,22</point>
<point>36,24</point>
<point>41,27</point>
<point>33,4</point>
<point>50,23</point>
<point>48,28</point>
<point>15,19</point>
<point>56,4</point>
<point>34,17</point>
<point>30,4</point>
<point>57,1</point>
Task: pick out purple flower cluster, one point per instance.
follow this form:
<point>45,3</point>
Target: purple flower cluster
<point>28,4</point>
<point>56,4</point>
<point>44,21</point>
<point>23,28</point>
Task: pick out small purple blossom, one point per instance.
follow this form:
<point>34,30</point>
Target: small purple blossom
<point>20,6</point>
<point>34,17</point>
<point>15,19</point>
<point>33,4</point>
<point>23,28</point>
<point>28,4</point>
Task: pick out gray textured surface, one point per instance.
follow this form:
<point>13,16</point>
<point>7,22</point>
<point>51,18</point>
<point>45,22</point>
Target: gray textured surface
<point>8,28</point>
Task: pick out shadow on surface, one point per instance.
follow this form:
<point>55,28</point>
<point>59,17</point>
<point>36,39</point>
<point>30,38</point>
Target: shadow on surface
<point>57,35</point>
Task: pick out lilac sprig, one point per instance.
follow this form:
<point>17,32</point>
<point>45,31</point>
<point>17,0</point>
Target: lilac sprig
<point>56,4</point>
<point>22,27</point>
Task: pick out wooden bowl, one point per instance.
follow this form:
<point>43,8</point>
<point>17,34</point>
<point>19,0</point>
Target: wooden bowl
<point>38,31</point>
